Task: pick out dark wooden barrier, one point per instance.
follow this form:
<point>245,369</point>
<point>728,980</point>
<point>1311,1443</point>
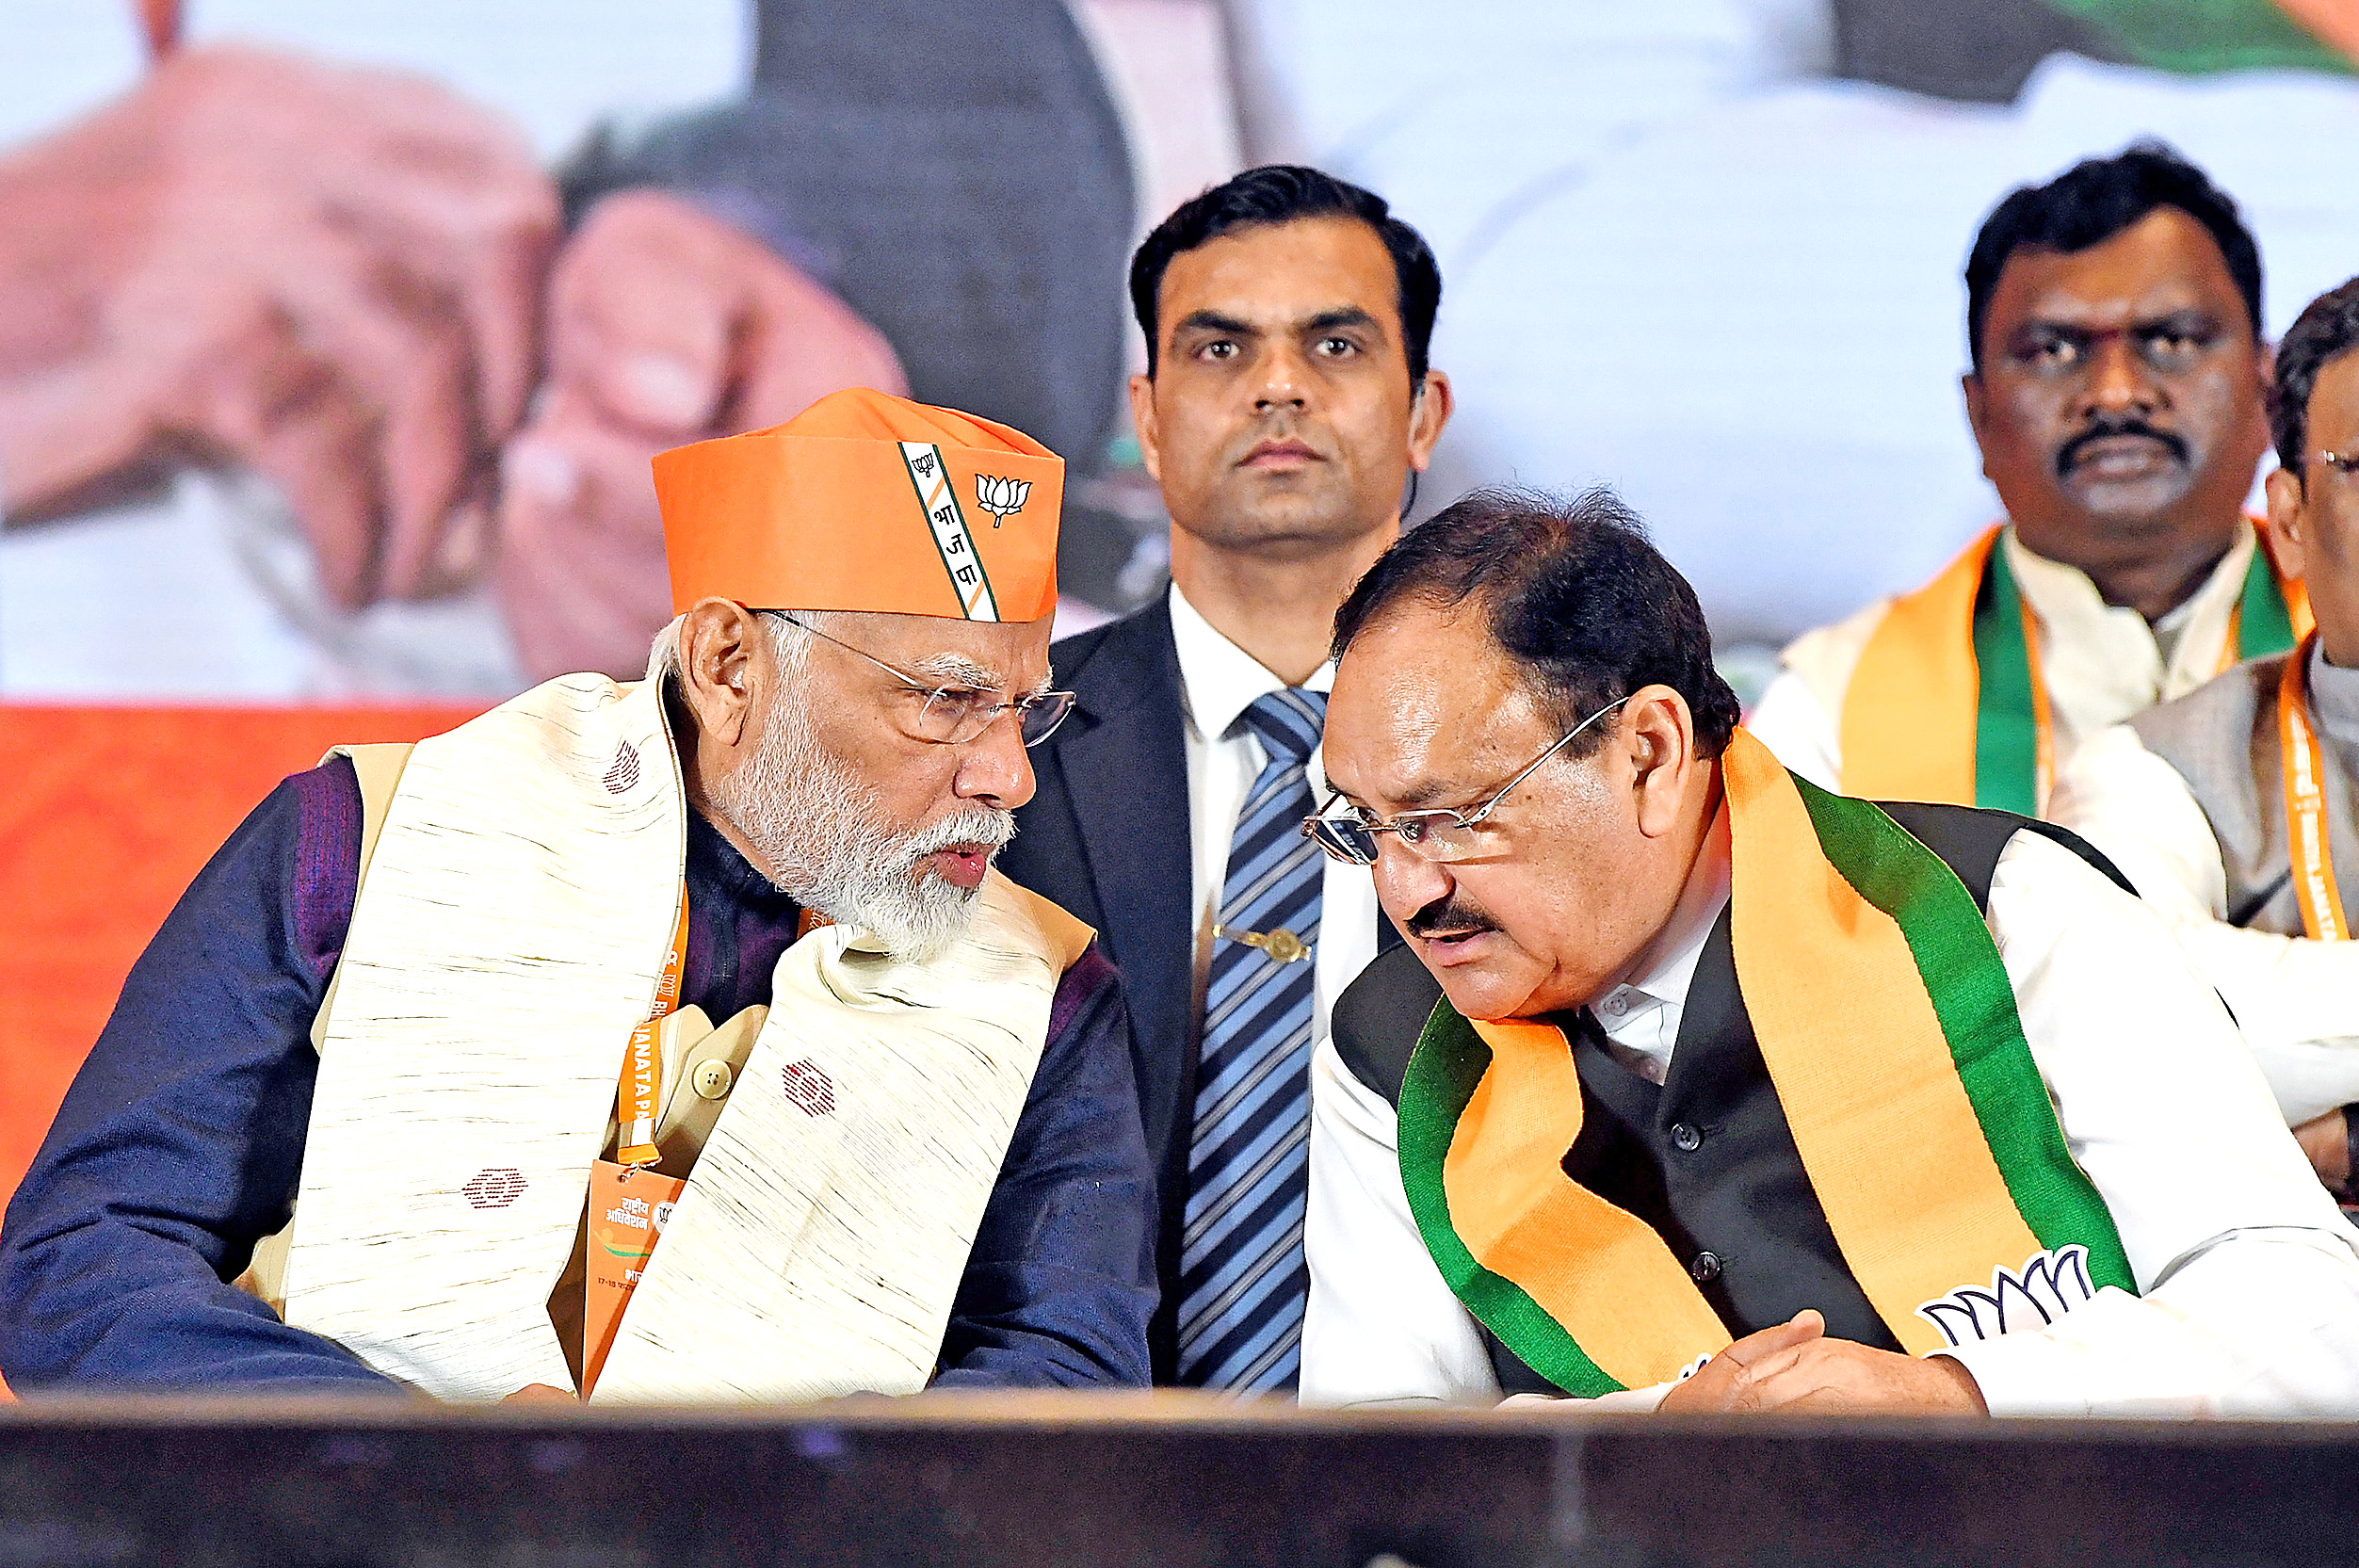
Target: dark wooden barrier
<point>1173,1481</point>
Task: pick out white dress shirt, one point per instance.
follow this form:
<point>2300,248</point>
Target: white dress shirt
<point>2249,1272</point>
<point>2296,1000</point>
<point>2102,663</point>
<point>1219,681</point>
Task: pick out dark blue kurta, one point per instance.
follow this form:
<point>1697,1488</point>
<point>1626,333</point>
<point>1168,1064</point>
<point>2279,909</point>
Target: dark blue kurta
<point>181,1140</point>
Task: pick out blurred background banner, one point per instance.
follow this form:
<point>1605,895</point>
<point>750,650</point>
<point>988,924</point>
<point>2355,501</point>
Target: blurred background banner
<point>334,339</point>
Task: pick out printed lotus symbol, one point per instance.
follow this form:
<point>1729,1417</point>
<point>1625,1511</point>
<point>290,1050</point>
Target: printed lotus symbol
<point>494,1186</point>
<point>1002,498</point>
<point>2050,1285</point>
<point>809,1087</point>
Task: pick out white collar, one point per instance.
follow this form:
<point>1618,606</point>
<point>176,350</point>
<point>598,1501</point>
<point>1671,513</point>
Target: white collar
<point>1665,967</point>
<point>2117,648</point>
<point>1220,680</point>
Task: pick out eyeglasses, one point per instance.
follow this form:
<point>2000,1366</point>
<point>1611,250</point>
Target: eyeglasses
<point>2344,464</point>
<point>1349,833</point>
<point>954,715</point>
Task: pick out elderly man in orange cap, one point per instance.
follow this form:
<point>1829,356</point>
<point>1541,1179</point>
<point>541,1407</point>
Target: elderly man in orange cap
<point>670,1041</point>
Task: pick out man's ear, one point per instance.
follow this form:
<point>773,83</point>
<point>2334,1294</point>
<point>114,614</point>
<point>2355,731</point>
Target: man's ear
<point>1142,421</point>
<point>1660,734</point>
<point>1977,408</point>
<point>1429,409</point>
<point>724,667</point>
<point>2265,372</point>
<point>2289,523</point>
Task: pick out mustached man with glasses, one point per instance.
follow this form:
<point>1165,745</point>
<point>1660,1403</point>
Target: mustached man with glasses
<point>2232,809</point>
<point>1285,405</point>
<point>1697,1087</point>
<point>2113,324</point>
<point>666,1042</point>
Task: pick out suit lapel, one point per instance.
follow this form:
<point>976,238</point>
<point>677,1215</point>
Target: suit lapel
<point>1125,771</point>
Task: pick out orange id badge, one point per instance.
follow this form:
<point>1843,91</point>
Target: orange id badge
<point>628,1210</point>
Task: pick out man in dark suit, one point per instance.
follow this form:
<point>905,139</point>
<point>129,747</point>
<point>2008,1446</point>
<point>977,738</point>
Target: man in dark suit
<point>1285,405</point>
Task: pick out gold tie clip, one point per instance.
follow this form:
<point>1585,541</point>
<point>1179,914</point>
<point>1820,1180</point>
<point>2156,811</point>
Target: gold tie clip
<point>1282,945</point>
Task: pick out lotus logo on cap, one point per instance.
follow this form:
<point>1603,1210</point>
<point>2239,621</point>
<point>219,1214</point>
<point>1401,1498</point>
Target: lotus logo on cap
<point>1002,498</point>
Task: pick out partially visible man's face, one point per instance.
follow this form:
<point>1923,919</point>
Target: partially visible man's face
<point>1426,713</point>
<point>856,816</point>
<point>2316,522</point>
<point>1279,420</point>
<point>2119,399</point>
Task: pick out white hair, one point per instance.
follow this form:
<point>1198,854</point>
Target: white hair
<point>789,643</point>
<point>819,825</point>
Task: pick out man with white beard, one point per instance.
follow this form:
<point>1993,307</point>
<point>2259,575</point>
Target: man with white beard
<point>427,1059</point>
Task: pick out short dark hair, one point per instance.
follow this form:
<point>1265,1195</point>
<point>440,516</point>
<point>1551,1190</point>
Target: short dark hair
<point>1574,592</point>
<point>1283,193</point>
<point>2090,203</point>
<point>2327,329</point>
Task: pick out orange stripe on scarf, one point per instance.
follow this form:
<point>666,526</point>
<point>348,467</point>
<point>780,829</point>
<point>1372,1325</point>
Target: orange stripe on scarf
<point>1909,714</point>
<point>1860,1061</point>
<point>1602,1273</point>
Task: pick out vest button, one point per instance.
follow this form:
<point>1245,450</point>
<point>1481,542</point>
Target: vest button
<point>1706,1267</point>
<point>711,1079</point>
<point>1685,1137</point>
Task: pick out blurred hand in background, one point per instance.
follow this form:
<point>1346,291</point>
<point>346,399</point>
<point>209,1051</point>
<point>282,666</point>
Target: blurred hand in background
<point>665,325</point>
<point>332,275</point>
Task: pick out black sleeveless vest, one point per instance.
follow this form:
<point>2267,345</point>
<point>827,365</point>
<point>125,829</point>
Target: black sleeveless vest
<point>1704,1158</point>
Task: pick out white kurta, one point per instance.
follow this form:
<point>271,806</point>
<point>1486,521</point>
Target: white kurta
<point>2248,1273</point>
<point>2102,663</point>
<point>2296,1000</point>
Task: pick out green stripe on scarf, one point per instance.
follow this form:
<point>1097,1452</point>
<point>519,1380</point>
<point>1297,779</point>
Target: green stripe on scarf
<point>2263,625</point>
<point>1448,1062</point>
<point>1975,1003</point>
<point>2006,722</point>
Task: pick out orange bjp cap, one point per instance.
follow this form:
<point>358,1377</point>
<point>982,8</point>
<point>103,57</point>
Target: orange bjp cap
<point>865,501</point>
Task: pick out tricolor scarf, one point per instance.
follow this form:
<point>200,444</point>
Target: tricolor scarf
<point>1889,1029</point>
<point>1946,703</point>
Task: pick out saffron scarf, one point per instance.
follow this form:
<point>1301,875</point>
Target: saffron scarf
<point>1946,703</point>
<point>1889,1029</point>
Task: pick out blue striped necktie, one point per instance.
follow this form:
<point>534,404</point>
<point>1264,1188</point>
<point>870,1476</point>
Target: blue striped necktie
<point>1242,1278</point>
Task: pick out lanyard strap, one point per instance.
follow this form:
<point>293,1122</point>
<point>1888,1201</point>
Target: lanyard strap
<point>2305,769</point>
<point>637,1097</point>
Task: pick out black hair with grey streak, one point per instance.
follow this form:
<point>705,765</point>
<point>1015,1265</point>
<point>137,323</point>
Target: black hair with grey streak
<point>1573,590</point>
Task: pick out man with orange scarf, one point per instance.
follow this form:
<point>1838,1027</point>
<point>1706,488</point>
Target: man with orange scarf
<point>2231,808</point>
<point>1699,1086</point>
<point>2114,321</point>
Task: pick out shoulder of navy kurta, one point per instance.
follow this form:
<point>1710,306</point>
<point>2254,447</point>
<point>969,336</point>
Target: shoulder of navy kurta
<point>181,1140</point>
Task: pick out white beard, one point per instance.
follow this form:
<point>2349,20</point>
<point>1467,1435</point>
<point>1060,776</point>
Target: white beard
<point>820,828</point>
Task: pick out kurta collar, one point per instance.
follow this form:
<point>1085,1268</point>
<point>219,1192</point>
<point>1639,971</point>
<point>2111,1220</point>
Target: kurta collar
<point>1665,967</point>
<point>2103,663</point>
<point>1640,1014</point>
